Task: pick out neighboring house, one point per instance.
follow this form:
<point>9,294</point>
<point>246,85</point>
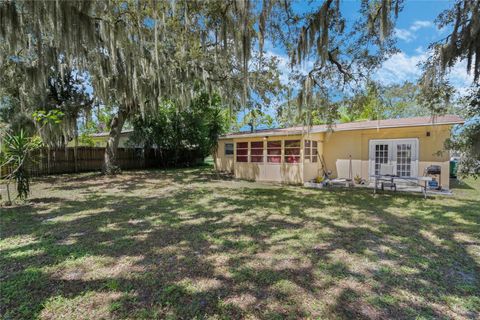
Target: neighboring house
<point>295,155</point>
<point>100,139</point>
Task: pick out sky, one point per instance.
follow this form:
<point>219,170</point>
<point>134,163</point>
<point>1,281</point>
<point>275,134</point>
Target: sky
<point>415,30</point>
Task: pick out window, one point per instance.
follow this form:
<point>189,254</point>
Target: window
<point>242,151</point>
<point>307,150</point>
<point>404,160</point>
<point>228,149</point>
<point>256,151</point>
<point>274,151</point>
<point>310,151</point>
<point>381,156</point>
<point>292,151</point>
<point>314,151</point>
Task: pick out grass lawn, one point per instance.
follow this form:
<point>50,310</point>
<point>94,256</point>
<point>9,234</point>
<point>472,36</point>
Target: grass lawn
<point>183,244</point>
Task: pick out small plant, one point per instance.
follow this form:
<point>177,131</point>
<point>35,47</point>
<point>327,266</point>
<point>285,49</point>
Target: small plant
<point>16,155</point>
<point>319,179</point>
<point>358,179</point>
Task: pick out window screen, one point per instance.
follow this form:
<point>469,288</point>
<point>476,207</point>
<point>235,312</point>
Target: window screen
<point>228,149</point>
<point>292,151</point>
<point>256,151</point>
<point>242,151</point>
<point>274,151</point>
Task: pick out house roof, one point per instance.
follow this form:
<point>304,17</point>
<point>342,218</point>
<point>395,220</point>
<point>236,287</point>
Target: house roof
<point>356,125</point>
<point>104,134</point>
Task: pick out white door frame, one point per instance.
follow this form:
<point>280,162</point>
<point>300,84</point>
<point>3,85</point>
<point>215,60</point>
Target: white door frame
<point>392,154</point>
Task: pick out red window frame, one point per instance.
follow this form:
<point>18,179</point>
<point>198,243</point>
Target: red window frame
<point>242,151</point>
<point>292,151</point>
<point>274,151</point>
<point>256,151</point>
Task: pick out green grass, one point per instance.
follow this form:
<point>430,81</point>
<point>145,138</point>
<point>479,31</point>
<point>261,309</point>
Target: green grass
<point>187,244</point>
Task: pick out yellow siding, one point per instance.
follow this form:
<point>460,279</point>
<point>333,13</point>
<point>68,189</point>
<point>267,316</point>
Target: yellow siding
<point>338,146</point>
<point>282,172</point>
<point>224,162</point>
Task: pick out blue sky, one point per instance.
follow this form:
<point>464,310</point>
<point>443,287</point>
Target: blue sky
<point>415,30</point>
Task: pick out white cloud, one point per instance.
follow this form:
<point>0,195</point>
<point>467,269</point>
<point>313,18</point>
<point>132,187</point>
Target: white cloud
<point>420,50</point>
<point>459,77</point>
<point>398,68</point>
<point>409,34</point>
<point>401,67</point>
<point>421,24</point>
<point>404,34</point>
<point>442,30</point>
<point>284,63</point>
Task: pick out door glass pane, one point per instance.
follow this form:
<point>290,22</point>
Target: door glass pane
<point>404,159</point>
<point>381,156</point>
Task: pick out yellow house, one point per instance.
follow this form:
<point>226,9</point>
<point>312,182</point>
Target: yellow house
<point>298,154</point>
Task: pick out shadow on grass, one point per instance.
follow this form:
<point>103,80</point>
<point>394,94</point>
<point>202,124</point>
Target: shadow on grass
<point>210,250</point>
<point>460,184</point>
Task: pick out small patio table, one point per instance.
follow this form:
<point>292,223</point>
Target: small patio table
<point>391,180</point>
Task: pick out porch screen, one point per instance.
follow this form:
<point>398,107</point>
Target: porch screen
<point>292,151</point>
<point>274,151</point>
<point>256,151</point>
<point>242,151</point>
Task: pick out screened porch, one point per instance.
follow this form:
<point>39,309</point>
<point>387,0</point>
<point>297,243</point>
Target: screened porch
<point>290,160</point>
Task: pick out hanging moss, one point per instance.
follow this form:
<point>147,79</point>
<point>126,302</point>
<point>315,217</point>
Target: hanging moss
<point>131,62</point>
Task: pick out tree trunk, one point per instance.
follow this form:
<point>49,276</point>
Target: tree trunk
<point>110,165</point>
<point>215,167</point>
<point>9,201</point>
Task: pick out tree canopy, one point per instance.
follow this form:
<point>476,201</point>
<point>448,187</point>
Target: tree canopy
<point>182,136</point>
<point>138,54</point>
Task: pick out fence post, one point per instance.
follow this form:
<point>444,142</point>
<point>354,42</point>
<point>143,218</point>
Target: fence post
<point>48,160</point>
<point>75,155</point>
<point>144,158</point>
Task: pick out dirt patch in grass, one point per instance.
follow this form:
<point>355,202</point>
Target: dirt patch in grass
<point>184,244</point>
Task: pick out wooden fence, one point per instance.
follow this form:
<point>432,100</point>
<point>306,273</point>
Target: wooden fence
<point>84,159</point>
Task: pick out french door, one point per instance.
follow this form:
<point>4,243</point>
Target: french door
<point>402,154</point>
